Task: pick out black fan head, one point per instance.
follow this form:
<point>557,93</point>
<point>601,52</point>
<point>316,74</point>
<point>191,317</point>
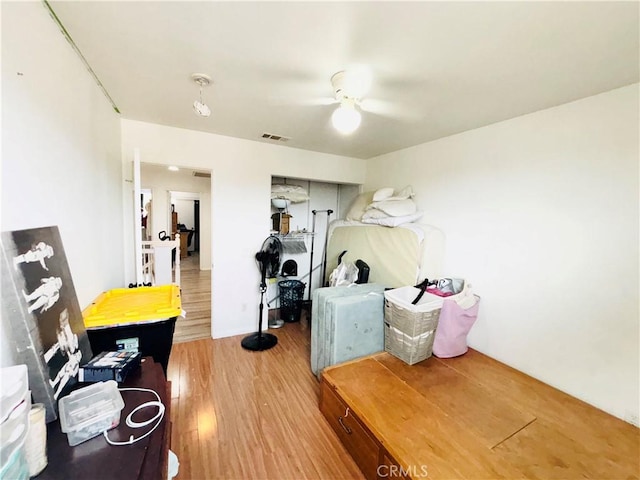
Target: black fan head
<point>268,257</point>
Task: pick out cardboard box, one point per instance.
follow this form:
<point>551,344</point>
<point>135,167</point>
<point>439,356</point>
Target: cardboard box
<point>281,222</point>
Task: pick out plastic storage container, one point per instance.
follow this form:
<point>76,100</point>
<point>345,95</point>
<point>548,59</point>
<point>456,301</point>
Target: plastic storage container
<point>15,386</point>
<point>13,432</point>
<point>89,411</point>
<point>410,329</point>
<point>16,467</point>
<point>135,319</point>
<point>291,293</point>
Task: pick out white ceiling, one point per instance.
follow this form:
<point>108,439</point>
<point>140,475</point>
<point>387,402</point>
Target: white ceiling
<point>438,68</point>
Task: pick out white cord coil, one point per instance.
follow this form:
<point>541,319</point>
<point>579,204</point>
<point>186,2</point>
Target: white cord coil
<point>133,424</point>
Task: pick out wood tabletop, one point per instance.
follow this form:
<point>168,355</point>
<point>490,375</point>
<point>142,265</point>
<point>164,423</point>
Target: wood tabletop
<point>473,417</point>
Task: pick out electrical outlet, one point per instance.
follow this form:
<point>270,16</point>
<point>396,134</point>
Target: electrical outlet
<point>631,418</point>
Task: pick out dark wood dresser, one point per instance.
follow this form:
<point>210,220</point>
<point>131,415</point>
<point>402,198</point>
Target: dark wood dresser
<point>96,459</point>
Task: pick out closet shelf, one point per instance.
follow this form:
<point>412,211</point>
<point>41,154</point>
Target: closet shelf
<point>291,234</point>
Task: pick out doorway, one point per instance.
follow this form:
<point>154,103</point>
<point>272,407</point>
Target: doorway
<point>186,197</point>
<point>185,219</point>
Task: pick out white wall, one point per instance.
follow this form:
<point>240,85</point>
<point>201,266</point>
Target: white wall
<point>185,212</point>
<point>240,193</point>
<point>346,195</point>
<point>541,215</point>
<point>60,149</point>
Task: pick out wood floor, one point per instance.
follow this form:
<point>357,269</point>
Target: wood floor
<point>196,301</point>
<point>239,414</point>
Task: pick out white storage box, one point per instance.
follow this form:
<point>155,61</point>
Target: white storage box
<point>13,432</point>
<point>89,411</point>
<point>16,467</point>
<point>15,385</point>
<point>410,329</point>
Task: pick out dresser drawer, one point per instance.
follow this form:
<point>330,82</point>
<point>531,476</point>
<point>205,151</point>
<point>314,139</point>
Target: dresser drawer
<point>361,446</point>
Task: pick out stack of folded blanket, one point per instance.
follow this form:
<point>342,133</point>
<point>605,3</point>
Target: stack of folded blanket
<point>385,207</point>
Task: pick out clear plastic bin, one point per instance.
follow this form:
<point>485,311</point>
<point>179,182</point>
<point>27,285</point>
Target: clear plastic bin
<point>13,432</point>
<point>15,385</point>
<point>89,411</point>
<point>16,467</point>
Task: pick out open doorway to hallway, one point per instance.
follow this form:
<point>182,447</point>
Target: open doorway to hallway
<point>182,203</point>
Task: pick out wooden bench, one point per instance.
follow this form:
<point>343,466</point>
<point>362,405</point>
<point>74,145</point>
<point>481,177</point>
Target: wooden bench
<point>470,417</point>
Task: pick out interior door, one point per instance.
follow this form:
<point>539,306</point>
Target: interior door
<point>196,225</point>
<point>137,216</point>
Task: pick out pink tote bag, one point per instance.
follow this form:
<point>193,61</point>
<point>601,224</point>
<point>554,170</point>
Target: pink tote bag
<point>453,326</point>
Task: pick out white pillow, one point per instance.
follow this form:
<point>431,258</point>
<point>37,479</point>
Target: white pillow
<point>394,221</point>
<point>358,206</point>
<point>406,192</point>
<point>382,194</point>
<point>395,208</point>
<point>374,213</point>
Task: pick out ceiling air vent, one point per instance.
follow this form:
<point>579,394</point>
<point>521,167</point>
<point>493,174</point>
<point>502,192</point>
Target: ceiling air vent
<point>202,174</point>
<point>277,138</point>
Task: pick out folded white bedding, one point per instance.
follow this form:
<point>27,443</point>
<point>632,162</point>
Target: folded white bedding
<point>393,208</point>
<point>388,221</point>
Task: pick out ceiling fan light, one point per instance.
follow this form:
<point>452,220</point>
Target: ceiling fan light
<point>346,119</point>
<point>201,109</point>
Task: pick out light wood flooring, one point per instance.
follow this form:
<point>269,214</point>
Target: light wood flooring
<point>195,285</point>
<point>239,414</point>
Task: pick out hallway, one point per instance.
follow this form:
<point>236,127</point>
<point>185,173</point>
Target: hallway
<point>196,301</point>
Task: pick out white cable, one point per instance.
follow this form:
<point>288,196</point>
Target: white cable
<point>131,423</point>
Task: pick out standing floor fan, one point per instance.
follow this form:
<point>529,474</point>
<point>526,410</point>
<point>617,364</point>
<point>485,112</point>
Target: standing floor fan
<point>268,259</point>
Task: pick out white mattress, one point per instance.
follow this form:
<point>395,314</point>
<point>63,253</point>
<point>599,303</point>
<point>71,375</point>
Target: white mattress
<point>397,256</point>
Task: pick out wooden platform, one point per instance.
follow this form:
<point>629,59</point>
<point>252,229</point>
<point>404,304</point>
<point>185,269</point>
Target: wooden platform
<point>470,417</point>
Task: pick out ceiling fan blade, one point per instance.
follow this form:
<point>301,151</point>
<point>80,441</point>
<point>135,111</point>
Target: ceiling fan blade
<point>315,102</point>
<point>301,102</point>
<point>389,109</point>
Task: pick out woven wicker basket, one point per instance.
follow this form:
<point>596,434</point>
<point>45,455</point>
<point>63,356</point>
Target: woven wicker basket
<point>409,330</point>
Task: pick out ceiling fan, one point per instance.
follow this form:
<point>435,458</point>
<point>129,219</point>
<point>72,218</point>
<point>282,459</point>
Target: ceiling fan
<point>350,87</point>
<point>350,93</point>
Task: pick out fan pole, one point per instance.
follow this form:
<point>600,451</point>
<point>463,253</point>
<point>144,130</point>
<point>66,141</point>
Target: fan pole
<point>324,258</point>
<point>260,341</point>
<point>313,234</point>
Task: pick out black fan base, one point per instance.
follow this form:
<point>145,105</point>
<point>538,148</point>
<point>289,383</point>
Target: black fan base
<point>259,341</point>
